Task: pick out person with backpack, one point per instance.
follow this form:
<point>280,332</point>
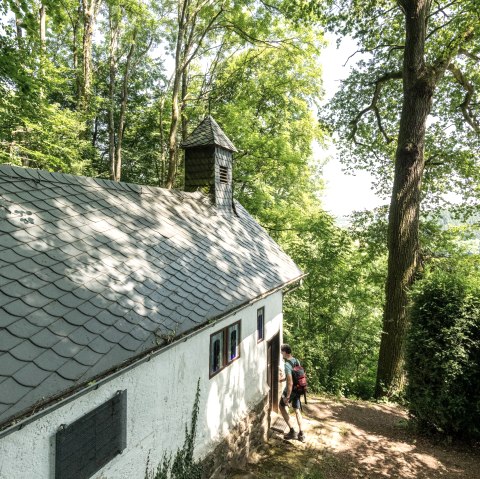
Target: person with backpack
<point>292,392</point>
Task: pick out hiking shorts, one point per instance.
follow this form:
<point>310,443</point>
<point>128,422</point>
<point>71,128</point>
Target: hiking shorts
<point>294,401</point>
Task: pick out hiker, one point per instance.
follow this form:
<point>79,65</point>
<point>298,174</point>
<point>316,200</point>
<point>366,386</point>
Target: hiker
<point>290,396</point>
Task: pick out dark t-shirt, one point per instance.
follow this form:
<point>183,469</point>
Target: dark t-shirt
<point>289,365</point>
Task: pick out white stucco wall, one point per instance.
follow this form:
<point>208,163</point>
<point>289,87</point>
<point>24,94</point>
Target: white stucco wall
<point>160,396</point>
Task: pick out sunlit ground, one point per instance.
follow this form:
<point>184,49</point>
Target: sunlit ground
<point>360,440</point>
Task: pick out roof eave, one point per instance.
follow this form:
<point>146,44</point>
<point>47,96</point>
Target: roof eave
<point>40,409</point>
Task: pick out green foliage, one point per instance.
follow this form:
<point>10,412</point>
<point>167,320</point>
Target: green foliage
<point>182,465</point>
<point>443,349</point>
<point>334,320</point>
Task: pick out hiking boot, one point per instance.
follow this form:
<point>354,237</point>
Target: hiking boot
<point>290,435</point>
<point>301,436</point>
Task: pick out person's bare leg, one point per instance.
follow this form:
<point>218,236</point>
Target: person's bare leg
<point>285,415</point>
<point>298,415</point>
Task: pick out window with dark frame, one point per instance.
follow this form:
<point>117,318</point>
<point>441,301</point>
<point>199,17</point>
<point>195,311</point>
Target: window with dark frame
<point>83,447</point>
<point>233,346</point>
<point>224,347</point>
<point>223,174</point>
<point>260,324</point>
<point>216,352</point>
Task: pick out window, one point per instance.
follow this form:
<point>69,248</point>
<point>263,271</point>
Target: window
<point>260,324</point>
<point>216,352</point>
<point>86,445</point>
<point>233,342</point>
<point>223,174</point>
<point>224,347</point>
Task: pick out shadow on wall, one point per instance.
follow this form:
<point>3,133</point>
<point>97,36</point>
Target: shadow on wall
<point>237,389</point>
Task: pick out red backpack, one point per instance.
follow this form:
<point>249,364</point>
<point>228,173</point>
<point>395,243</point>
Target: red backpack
<point>299,379</point>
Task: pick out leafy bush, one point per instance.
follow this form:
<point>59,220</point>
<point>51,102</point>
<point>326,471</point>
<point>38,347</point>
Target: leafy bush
<point>443,351</point>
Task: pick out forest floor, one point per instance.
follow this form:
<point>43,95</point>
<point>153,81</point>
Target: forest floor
<point>359,440</point>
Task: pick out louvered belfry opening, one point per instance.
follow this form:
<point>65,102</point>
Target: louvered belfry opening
<point>209,163</point>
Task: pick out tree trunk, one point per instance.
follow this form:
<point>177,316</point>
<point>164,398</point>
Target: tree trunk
<point>43,44</point>
<point>76,69</point>
<point>180,65</point>
<point>43,22</point>
<point>111,92</point>
<point>90,10</point>
<point>172,137</point>
<point>123,110</point>
<point>403,246</point>
<point>18,26</point>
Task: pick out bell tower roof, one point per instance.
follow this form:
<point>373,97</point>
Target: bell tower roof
<point>208,133</point>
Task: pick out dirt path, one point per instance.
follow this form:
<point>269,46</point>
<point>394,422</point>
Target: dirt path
<point>359,440</point>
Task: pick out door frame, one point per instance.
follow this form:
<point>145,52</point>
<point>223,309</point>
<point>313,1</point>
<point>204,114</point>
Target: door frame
<point>273,363</point>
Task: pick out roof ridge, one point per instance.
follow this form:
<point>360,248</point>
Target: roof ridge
<point>26,173</point>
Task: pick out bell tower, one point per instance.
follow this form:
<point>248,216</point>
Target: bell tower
<point>209,163</point>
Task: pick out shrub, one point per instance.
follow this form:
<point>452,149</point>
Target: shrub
<point>443,352</point>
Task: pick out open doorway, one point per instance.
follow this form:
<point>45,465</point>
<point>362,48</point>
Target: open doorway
<point>273,363</point>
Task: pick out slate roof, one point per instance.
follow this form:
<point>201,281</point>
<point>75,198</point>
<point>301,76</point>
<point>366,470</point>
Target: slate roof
<point>208,133</point>
<point>94,273</point>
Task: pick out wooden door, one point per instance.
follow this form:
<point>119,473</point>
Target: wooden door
<point>273,362</point>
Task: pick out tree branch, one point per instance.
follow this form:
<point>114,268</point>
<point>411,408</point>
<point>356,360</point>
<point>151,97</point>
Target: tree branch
<point>469,94</point>
<point>373,106</point>
<point>378,47</point>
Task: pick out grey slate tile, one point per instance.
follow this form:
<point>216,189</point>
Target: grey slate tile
<point>32,281</point>
<point>4,299</point>
<point>82,336</point>
<point>77,318</point>
<point>61,327</point>
<point>48,275</point>
<point>100,302</point>
<point>11,392</point>
<point>9,365</point>
<point>130,343</point>
<point>10,256</point>
<point>95,326</point>
<point>113,335</point>
<point>11,272</point>
<point>50,360</point>
<point>15,290</point>
<point>31,375</point>
<point>44,338</point>
<point>89,309</point>
<point>23,328</point>
<point>56,309</point>
<point>100,345</point>
<point>6,319</point>
<point>36,299</point>
<point>29,266</point>
<point>26,351</point>
<point>41,318</point>
<point>87,357</point>
<point>18,308</point>
<point>66,348</point>
<point>70,301</point>
<point>72,370</point>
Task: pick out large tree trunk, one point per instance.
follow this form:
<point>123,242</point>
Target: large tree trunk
<point>403,247</point>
